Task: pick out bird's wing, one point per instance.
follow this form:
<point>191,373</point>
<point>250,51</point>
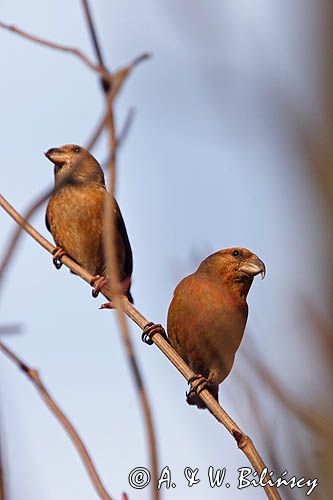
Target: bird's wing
<point>120,225</point>
<point>47,224</point>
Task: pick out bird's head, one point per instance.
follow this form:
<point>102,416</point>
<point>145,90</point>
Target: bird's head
<point>236,267</point>
<point>74,164</point>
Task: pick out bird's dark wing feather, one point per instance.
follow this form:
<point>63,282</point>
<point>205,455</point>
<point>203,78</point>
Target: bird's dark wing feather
<point>47,224</point>
<point>120,225</point>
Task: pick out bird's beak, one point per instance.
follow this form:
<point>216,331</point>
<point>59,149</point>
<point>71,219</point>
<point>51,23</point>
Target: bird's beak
<point>254,266</point>
<point>56,156</point>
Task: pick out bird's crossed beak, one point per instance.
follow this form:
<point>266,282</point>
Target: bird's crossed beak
<point>56,155</point>
<point>254,266</point>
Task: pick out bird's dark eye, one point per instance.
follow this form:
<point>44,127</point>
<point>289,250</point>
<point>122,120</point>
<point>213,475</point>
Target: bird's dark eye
<point>235,253</point>
<point>77,150</point>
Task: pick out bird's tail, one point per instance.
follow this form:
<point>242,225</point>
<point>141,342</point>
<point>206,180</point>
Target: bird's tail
<point>126,285</point>
<point>194,399</point>
<point>129,296</point>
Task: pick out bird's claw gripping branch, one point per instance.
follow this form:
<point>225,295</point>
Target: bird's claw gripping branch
<point>58,253</point>
<point>150,330</point>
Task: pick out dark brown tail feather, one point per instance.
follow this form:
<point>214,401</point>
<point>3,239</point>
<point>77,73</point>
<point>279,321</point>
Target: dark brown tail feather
<point>193,399</point>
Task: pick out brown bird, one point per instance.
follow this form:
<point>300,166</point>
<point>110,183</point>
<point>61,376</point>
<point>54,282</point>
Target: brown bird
<point>208,314</point>
<point>74,216</point>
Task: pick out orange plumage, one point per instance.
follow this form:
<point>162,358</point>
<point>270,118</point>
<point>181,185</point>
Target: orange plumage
<point>75,213</point>
<point>208,314</point>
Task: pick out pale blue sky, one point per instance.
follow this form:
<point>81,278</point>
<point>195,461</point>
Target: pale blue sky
<point>210,162</point>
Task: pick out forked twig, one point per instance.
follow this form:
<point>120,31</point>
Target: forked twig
<point>34,377</point>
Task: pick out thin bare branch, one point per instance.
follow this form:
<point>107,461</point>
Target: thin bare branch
<point>10,329</point>
<point>263,424</point>
<point>35,378</point>
<point>106,84</point>
<point>122,136</point>
<point>126,127</point>
<point>58,46</point>
<point>92,32</point>
<point>310,419</point>
<point>9,252</point>
<point>111,251</point>
<point>117,82</point>
<point>242,440</point>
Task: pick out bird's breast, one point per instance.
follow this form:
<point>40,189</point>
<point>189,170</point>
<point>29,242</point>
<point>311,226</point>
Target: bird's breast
<point>206,324</point>
<point>75,216</point>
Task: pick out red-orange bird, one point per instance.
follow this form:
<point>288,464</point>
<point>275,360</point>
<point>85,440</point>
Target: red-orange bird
<point>75,212</point>
<point>208,314</point>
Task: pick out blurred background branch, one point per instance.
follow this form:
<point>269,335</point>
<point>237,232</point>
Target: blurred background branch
<point>110,251</point>
<point>34,377</point>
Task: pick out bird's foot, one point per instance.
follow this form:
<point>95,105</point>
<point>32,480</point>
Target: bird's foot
<point>198,383</point>
<point>150,330</point>
<point>58,253</point>
<point>107,305</point>
<point>97,282</point>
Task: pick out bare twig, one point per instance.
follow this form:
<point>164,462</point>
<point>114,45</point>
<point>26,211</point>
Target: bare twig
<point>34,377</point>
<point>58,46</point>
<point>122,135</point>
<point>265,431</point>
<point>310,419</point>
<point>10,329</point>
<point>106,83</point>
<point>111,251</point>
<point>243,441</point>
<point>117,82</point>
<point>92,32</point>
<point>9,252</point>
<point>119,78</point>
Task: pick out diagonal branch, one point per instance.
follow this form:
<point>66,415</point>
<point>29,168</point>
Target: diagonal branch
<point>311,419</point>
<point>34,377</point>
<point>242,440</point>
